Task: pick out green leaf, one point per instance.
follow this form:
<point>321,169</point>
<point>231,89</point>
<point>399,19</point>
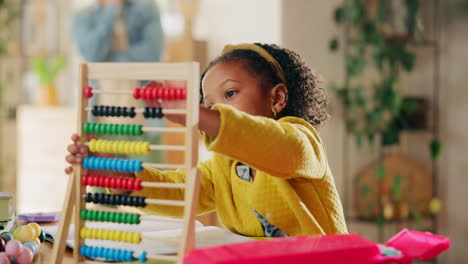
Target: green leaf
<point>375,117</point>
<point>365,190</point>
<point>355,65</point>
<point>343,94</point>
<point>380,171</point>
<point>351,126</point>
<point>380,221</point>
<point>381,11</point>
<point>339,14</point>
<point>370,33</point>
<point>436,148</point>
<point>409,106</point>
<point>354,11</point>
<point>391,136</point>
<point>359,99</point>
<point>334,44</point>
<point>396,187</point>
<point>408,60</point>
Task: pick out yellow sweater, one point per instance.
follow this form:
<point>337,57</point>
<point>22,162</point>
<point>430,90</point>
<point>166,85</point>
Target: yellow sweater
<point>293,192</point>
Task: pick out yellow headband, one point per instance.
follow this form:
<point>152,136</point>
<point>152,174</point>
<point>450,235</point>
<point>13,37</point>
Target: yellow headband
<point>262,52</point>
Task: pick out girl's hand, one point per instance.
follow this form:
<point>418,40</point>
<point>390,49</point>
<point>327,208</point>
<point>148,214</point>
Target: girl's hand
<point>77,151</point>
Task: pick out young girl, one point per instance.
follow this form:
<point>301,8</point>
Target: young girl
<point>269,174</point>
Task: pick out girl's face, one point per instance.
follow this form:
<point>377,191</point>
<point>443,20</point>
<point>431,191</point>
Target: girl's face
<point>228,83</point>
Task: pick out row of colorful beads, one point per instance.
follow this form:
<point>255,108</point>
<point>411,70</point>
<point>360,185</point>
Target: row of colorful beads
<point>104,234</point>
<point>116,129</point>
<point>111,254</point>
<point>114,217</point>
<point>156,93</point>
<point>115,199</point>
<point>125,147</point>
<point>112,182</point>
<point>97,163</point>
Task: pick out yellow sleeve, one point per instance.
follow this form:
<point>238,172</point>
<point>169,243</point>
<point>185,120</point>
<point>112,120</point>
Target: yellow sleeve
<point>286,148</point>
<point>206,202</point>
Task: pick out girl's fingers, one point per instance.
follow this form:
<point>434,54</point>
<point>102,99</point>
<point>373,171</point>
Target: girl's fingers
<point>72,159</point>
<point>75,138</point>
<point>72,148</point>
<point>68,170</point>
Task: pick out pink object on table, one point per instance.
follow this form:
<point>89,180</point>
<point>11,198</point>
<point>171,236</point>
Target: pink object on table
<point>420,245</point>
<point>331,249</point>
<point>26,256</point>
<point>4,258</point>
<point>13,248</point>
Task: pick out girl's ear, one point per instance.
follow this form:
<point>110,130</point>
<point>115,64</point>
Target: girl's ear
<point>279,94</point>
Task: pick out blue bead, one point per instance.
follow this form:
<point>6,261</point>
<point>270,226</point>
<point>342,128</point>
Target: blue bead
<point>138,166</point>
<point>142,257</point>
<point>129,256</point>
<point>33,246</point>
<point>83,251</point>
<point>85,163</point>
<point>120,165</point>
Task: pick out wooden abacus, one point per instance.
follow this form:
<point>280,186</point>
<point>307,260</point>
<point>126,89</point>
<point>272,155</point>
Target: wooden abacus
<point>76,191</point>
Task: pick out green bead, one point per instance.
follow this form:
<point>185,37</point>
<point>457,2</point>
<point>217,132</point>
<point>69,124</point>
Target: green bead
<point>112,129</point>
<point>126,130</point>
<point>83,214</point>
<point>42,236</point>
<point>136,219</point>
<point>138,130</point>
<point>8,236</point>
<point>102,128</point>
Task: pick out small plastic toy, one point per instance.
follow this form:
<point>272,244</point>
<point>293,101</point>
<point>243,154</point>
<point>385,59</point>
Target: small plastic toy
<point>331,249</point>
<point>39,217</point>
<point>13,251</point>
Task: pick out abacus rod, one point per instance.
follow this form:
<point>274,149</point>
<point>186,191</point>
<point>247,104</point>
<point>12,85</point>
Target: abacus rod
<point>163,257</point>
<point>163,185</point>
<point>163,166</point>
<point>164,129</point>
<point>158,147</point>
<point>142,110</point>
<point>165,202</point>
<point>146,218</point>
<point>166,239</point>
<point>100,91</point>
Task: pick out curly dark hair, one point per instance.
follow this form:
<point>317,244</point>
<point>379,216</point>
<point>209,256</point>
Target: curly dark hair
<point>306,98</point>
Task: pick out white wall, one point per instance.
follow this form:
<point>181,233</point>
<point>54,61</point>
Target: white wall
<point>237,21</point>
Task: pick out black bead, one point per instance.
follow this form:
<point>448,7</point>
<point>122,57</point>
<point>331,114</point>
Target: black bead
<point>94,111</point>
<point>88,197</point>
<point>146,113</point>
<point>132,113</point>
<point>159,113</point>
<point>141,201</point>
<point>119,111</point>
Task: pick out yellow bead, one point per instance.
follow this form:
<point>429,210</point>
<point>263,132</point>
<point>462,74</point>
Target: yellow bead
<point>37,229</point>
<point>37,241</point>
<point>92,145</point>
<point>83,233</point>
<point>136,238</point>
<point>24,234</point>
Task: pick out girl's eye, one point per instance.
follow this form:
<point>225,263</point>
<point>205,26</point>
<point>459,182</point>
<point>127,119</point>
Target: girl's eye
<point>230,94</point>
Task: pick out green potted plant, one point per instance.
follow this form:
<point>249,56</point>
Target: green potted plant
<point>374,44</point>
<point>47,73</point>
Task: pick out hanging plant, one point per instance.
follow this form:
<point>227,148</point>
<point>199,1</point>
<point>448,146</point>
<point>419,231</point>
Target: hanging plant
<point>383,111</point>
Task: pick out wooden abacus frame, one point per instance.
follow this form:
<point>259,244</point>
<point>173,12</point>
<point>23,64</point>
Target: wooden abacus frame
<point>74,202</point>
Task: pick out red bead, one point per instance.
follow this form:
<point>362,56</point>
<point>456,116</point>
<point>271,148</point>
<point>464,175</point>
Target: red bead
<point>128,184</point>
<point>94,180</point>
<point>166,93</point>
<point>159,93</point>
<point>154,93</point>
<point>183,93</point>
<point>136,93</point>
<point>137,184</point>
<point>112,182</point>
<point>101,181</point>
<point>88,92</point>
<point>106,182</point>
<point>84,180</point>
<point>172,94</point>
